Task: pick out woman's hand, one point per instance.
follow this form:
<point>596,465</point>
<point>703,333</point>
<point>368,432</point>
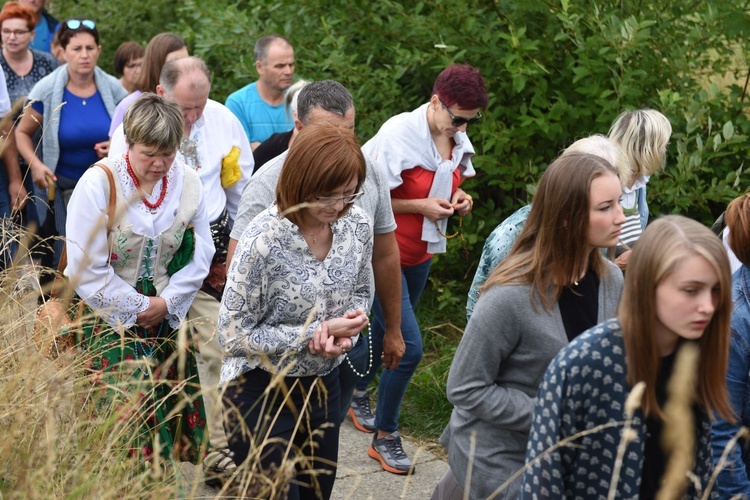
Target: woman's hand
<point>622,260</point>
<point>350,325</point>
<point>18,194</point>
<point>154,315</point>
<point>462,202</point>
<point>436,209</point>
<point>326,345</point>
<point>42,175</point>
<point>333,337</point>
<point>102,149</point>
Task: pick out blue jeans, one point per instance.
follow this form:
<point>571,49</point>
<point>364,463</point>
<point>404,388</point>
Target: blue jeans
<point>393,383</point>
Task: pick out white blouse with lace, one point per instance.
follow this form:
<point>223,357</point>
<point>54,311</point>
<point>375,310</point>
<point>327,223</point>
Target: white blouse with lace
<point>101,273</point>
<point>278,293</point>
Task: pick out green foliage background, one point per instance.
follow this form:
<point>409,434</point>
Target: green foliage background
<point>556,71</point>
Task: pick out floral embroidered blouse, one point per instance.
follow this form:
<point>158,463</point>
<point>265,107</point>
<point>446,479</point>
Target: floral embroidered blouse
<point>277,293</point>
<point>104,269</point>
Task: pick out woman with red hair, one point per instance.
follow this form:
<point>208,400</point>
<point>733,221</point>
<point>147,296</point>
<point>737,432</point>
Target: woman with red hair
<point>23,67</point>
<point>426,154</point>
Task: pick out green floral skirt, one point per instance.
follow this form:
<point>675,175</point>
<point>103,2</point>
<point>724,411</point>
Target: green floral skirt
<point>149,379</point>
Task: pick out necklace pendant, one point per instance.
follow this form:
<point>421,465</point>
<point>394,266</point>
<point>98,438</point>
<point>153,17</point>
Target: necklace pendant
<point>84,102</point>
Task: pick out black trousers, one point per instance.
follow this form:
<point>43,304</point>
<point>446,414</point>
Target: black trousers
<point>260,428</point>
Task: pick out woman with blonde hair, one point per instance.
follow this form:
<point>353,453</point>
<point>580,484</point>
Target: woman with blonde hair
<point>643,135</point>
<point>554,285</point>
<point>297,296</point>
<point>677,291</point>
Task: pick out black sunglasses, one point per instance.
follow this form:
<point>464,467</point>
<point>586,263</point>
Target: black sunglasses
<point>458,121</point>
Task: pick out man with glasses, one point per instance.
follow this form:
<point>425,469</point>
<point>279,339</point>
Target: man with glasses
<point>330,101</point>
<point>214,145</point>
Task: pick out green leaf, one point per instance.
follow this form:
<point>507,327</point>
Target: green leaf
<point>728,130</point>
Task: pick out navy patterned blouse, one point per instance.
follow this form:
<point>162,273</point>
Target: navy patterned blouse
<point>585,387</point>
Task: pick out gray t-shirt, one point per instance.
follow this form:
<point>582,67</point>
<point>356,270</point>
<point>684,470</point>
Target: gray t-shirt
<point>260,193</point>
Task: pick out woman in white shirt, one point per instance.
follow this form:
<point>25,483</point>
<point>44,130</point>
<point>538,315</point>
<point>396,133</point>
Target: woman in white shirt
<point>140,277</point>
<point>297,295</point>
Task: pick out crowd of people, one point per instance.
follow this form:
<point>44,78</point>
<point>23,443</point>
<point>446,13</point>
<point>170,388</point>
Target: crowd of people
<point>297,259</point>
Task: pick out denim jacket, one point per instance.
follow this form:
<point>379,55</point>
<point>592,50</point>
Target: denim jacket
<point>733,478</point>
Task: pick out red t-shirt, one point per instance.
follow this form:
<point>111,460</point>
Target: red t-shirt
<point>416,185</point>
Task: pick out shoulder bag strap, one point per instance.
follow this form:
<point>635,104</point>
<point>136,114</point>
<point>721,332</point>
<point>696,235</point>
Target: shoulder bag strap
<point>110,214</point>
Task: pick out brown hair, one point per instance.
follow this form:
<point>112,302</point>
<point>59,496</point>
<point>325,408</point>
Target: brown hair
<point>552,250</point>
<point>662,246</point>
<point>126,52</point>
<point>737,220</point>
<point>15,10</point>
<point>324,156</point>
<point>156,54</point>
<point>66,34</point>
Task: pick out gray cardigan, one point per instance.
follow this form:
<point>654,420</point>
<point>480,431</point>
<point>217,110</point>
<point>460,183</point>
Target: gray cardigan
<point>494,377</point>
<point>49,91</point>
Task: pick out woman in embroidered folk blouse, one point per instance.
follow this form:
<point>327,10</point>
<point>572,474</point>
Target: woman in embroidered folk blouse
<point>297,295</point>
<point>677,290</point>
<point>143,275</point>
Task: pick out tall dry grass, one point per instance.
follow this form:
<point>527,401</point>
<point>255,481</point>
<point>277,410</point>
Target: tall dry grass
<point>63,434</point>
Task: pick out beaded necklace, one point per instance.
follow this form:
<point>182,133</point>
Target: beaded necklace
<point>162,194</point>
<point>369,363</point>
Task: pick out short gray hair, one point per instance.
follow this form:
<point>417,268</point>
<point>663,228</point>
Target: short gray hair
<point>261,46</point>
<point>177,68</point>
<point>155,122</point>
<point>325,94</point>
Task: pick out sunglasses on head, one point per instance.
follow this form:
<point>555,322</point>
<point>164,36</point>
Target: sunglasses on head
<point>458,121</point>
<point>74,24</point>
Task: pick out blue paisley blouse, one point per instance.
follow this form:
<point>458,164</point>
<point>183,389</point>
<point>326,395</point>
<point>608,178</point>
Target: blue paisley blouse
<point>585,387</point>
<point>277,293</point>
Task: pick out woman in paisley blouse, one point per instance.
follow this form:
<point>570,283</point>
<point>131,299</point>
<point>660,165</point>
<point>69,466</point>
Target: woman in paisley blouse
<point>297,295</point>
<point>140,277</point>
<point>677,290</point>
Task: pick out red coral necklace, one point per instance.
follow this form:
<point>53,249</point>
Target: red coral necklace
<point>162,194</point>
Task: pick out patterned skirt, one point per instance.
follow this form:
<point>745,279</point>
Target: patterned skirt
<point>149,379</point>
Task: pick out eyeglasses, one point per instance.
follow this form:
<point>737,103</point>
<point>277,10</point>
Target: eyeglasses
<point>327,201</point>
<point>458,121</point>
<point>74,24</point>
<point>17,33</point>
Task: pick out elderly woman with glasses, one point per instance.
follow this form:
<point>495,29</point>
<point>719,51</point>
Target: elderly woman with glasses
<point>426,155</point>
<point>73,105</point>
<point>296,298</point>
